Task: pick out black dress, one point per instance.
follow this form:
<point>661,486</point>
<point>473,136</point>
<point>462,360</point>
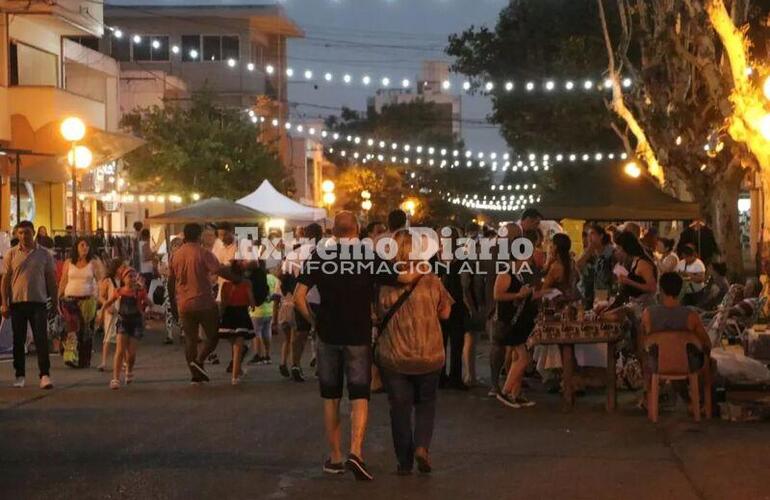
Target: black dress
<point>516,318</point>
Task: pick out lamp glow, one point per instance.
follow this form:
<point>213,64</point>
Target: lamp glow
<point>73,129</point>
<point>632,170</point>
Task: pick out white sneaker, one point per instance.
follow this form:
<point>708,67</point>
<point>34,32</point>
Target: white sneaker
<point>45,382</point>
<point>20,381</point>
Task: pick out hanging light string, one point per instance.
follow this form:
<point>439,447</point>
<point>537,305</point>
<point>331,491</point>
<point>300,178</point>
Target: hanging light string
<point>499,203</point>
<point>384,150</point>
<point>114,196</point>
<point>351,78</point>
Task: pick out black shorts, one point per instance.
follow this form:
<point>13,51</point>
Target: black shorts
<point>302,324</point>
<point>510,335</point>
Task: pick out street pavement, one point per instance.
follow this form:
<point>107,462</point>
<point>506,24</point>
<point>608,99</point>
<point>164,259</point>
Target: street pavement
<point>163,438</point>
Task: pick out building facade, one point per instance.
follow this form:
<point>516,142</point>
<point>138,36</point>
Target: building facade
<point>46,75</point>
<point>429,88</point>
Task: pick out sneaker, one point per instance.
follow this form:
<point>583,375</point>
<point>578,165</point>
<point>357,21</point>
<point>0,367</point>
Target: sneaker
<point>256,360</point>
<point>45,382</point>
<point>114,384</point>
<point>284,371</point>
<point>358,467</point>
<point>267,361</point>
<point>213,358</point>
<point>20,381</point>
<point>202,375</point>
<point>492,393</point>
<point>524,402</point>
<point>296,374</point>
<point>332,468</point>
<point>507,400</point>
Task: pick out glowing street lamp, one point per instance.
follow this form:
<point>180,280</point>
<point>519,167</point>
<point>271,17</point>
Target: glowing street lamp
<point>73,129</point>
<point>409,206</point>
<point>632,170</point>
<point>329,199</point>
<point>327,186</point>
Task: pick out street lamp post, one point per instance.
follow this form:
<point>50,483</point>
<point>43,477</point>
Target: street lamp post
<point>73,130</point>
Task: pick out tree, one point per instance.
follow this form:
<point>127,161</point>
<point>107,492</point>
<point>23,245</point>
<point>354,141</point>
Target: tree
<point>199,146</point>
<point>416,123</point>
<point>535,40</point>
<point>682,110</point>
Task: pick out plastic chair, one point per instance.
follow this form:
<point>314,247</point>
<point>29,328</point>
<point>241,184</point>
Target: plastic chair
<point>673,365</point>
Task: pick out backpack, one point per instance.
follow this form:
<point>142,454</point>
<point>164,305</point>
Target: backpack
<point>259,287</point>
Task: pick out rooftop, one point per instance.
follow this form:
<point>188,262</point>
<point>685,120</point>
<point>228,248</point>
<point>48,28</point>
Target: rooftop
<point>267,15</point>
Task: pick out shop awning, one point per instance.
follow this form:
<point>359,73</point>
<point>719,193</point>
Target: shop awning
<point>605,193</point>
<point>210,210</point>
<point>105,146</point>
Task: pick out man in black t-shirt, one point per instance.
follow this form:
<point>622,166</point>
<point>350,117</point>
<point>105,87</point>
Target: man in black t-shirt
<point>345,271</point>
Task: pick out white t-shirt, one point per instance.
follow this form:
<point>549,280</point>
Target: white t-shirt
<point>145,266</point>
<point>695,268</point>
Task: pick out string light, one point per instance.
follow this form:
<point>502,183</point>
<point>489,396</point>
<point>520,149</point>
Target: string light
<point>541,160</point>
<point>548,86</point>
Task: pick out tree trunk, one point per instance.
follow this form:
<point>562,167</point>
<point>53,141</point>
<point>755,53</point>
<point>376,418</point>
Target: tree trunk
<point>723,213</point>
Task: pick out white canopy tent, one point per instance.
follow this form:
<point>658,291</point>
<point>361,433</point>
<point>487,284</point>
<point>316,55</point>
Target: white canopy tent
<point>269,201</point>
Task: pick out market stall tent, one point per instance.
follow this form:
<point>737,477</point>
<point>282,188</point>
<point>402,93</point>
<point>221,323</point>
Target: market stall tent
<point>210,210</point>
<point>605,193</point>
<point>269,201</point>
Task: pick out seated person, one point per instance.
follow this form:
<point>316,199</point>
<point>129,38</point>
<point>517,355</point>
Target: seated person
<point>716,287</point>
<point>746,301</point>
<point>670,316</point>
<point>693,271</point>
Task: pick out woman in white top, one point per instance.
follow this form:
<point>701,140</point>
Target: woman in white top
<point>77,300</point>
<point>108,317</point>
<point>668,258</point>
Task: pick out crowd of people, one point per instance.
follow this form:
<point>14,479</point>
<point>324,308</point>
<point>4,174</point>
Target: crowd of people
<point>391,326</point>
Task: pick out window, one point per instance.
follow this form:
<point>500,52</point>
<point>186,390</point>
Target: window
<point>151,48</point>
<point>120,49</point>
<point>191,48</point>
<point>230,48</point>
<point>32,66</point>
<point>91,42</point>
<point>212,48</point>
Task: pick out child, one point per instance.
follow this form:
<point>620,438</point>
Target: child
<point>131,308</point>
<point>236,325</point>
<point>263,317</point>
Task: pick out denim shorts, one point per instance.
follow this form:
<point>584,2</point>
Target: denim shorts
<point>263,327</point>
<point>131,327</point>
<point>337,363</point>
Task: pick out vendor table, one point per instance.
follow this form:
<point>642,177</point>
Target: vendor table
<point>566,334</point>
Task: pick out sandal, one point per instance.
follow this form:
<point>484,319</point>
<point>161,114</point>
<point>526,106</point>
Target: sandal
<point>129,377</point>
<point>114,384</point>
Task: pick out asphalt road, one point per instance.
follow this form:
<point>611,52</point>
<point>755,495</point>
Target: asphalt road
<point>162,438</point>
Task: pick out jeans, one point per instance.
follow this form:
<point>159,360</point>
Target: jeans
<point>34,314</point>
<point>192,322</point>
<point>404,393</point>
<point>339,362</point>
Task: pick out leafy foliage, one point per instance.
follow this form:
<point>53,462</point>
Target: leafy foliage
<point>415,123</point>
<point>199,146</point>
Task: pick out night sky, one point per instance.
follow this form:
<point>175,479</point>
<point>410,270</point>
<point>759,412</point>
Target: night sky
<point>382,38</point>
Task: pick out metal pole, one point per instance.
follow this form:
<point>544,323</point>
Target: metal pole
<point>18,190</point>
<point>74,200</point>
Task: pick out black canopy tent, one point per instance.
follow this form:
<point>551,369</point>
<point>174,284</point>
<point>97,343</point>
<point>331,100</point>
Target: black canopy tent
<point>606,193</point>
